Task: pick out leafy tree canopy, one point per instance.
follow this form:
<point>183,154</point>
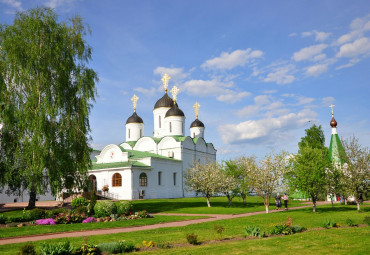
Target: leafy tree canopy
<point>314,138</point>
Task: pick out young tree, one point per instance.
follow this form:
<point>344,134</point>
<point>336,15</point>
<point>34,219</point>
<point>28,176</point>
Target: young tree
<point>356,168</point>
<point>206,179</point>
<point>308,169</point>
<point>267,175</point>
<point>46,91</point>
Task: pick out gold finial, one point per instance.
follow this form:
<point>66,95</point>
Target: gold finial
<point>134,101</point>
<point>196,107</point>
<point>165,79</point>
<point>174,92</point>
<point>332,112</point>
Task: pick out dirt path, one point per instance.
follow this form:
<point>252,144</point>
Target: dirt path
<point>213,217</point>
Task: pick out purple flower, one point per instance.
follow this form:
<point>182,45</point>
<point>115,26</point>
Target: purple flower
<point>89,220</point>
<point>48,221</point>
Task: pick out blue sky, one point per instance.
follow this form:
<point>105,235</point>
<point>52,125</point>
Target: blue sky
<point>262,71</point>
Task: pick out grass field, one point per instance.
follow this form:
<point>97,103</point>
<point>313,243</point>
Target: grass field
<point>342,240</point>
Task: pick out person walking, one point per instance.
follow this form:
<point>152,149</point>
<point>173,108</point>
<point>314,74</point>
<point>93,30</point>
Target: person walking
<point>286,200</point>
<point>278,201</point>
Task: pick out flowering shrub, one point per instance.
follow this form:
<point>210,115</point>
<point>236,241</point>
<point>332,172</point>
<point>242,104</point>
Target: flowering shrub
<point>79,201</point>
<point>48,221</point>
<point>67,218</point>
<point>124,207</point>
<point>105,208</point>
<point>105,188</point>
<point>89,220</point>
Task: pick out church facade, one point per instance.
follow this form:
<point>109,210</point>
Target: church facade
<point>153,167</point>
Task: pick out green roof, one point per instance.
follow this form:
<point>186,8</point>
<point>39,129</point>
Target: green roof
<point>143,154</point>
<point>336,151</point>
<point>117,164</point>
<point>131,143</point>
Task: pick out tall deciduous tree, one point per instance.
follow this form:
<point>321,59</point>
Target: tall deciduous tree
<point>308,169</point>
<point>266,176</point>
<point>356,172</point>
<point>46,93</point>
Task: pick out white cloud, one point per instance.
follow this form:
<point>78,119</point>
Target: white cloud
<point>230,60</point>
<point>175,73</point>
<point>248,111</point>
<point>292,34</point>
<point>319,36</point>
<point>264,129</point>
<point>54,4</point>
<point>351,62</point>
<point>326,101</point>
<point>262,99</point>
<point>231,96</point>
<point>316,70</point>
<point>360,46</point>
<point>147,92</point>
<point>281,75</point>
<point>17,5</point>
<point>358,27</point>
<point>309,52</point>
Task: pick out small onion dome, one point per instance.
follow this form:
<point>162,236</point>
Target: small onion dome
<point>164,101</point>
<point>175,111</point>
<point>134,118</point>
<point>196,123</point>
<point>333,122</point>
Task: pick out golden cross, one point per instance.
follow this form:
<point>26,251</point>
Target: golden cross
<point>332,112</point>
<point>174,92</point>
<point>165,79</point>
<point>134,101</point>
<point>196,107</point>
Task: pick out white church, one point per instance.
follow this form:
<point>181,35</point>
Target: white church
<point>153,167</point>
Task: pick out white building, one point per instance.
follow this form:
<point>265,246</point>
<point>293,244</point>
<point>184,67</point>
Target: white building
<point>153,167</point>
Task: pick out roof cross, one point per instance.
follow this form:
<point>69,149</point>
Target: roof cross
<point>175,92</point>
<point>134,101</point>
<point>196,107</point>
<point>332,111</point>
<point>165,79</point>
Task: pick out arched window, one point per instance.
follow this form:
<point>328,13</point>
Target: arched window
<point>143,180</point>
<point>159,178</point>
<point>116,180</point>
<point>160,124</point>
<point>92,184</point>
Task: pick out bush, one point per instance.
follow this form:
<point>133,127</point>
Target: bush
<point>284,228</point>
<point>329,224</point>
<point>105,208</point>
<point>27,249</point>
<point>163,245</point>
<point>124,207</point>
<point>3,219</point>
<point>219,229</point>
<point>79,201</point>
<point>149,244</point>
<point>192,238</point>
<point>61,248</point>
<point>67,218</point>
<point>92,203</point>
<point>55,212</point>
<point>254,231</point>
<point>49,221</point>
<point>350,223</point>
<point>88,249</point>
<point>37,213</point>
<point>367,220</point>
<point>117,247</point>
<point>298,229</point>
<point>81,209</point>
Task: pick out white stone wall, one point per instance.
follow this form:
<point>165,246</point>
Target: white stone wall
<point>160,129</point>
<point>177,124</point>
<point>134,131</point>
<point>112,153</point>
<point>197,132</point>
<point>4,198</point>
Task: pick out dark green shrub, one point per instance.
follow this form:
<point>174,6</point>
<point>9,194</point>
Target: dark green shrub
<point>27,249</point>
<point>55,212</point>
<point>92,203</point>
<point>329,224</point>
<point>192,238</point>
<point>61,248</point>
<point>367,220</point>
<point>3,219</point>
<point>117,247</point>
<point>81,210</point>
<point>79,201</point>
<point>88,249</point>
<point>124,207</point>
<point>298,229</point>
<point>105,208</point>
<point>163,245</point>
<point>254,231</point>
<point>15,219</point>
<point>37,213</point>
<point>350,223</point>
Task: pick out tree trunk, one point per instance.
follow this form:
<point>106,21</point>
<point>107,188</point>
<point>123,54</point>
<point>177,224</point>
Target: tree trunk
<point>358,205</point>
<point>267,208</point>
<point>229,199</point>
<point>32,200</point>
<point>244,199</point>
<point>208,204</point>
<point>332,203</point>
<point>314,205</point>
<point>345,201</point>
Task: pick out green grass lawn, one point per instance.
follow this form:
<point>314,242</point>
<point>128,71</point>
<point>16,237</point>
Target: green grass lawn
<point>46,229</point>
<point>311,240</point>
<point>194,205</point>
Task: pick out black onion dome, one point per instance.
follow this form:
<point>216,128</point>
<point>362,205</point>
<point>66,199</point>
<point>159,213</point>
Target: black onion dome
<point>196,123</point>
<point>333,123</point>
<point>164,101</point>
<point>134,118</point>
<point>175,111</point>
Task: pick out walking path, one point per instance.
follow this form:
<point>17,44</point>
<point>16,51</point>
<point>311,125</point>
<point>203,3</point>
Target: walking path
<point>212,217</point>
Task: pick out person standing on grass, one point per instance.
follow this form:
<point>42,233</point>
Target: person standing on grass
<point>278,201</point>
<point>286,200</point>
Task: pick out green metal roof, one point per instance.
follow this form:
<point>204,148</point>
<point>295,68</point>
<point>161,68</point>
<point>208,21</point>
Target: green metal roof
<point>117,164</point>
<point>143,154</point>
<point>131,143</point>
<point>336,151</point>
